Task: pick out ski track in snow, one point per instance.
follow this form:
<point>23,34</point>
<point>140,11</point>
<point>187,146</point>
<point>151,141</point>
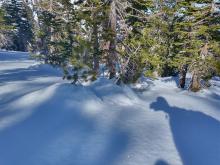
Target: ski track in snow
<point>45,120</point>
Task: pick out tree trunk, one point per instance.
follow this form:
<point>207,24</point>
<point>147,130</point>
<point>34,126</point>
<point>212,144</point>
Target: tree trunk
<point>112,46</point>
<point>51,30</point>
<point>195,83</point>
<point>96,49</point>
<point>182,76</point>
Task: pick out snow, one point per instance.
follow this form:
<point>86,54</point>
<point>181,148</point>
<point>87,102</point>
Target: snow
<point>45,120</point>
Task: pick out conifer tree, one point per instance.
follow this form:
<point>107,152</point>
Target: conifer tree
<point>153,36</point>
<point>2,22</point>
<point>3,28</point>
<point>17,16</point>
<point>157,38</point>
<point>197,40</point>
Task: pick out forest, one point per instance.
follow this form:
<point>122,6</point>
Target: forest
<point>109,82</point>
<point>126,39</point>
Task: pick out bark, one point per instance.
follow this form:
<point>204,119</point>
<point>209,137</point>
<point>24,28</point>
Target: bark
<point>130,73</point>
<point>204,51</point>
<point>51,30</point>
<point>195,83</point>
<point>112,46</point>
<point>182,76</point>
<point>96,49</point>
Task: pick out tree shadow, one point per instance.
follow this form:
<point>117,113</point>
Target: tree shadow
<point>171,79</point>
<point>196,135</point>
<point>28,73</point>
<point>161,162</point>
<point>27,88</point>
<point>56,133</point>
<point>13,56</point>
<point>214,95</point>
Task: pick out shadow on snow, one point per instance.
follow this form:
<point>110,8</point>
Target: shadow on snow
<point>30,73</point>
<point>195,134</point>
<point>64,136</point>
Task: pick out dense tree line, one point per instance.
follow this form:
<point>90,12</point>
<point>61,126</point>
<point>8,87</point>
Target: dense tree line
<point>126,38</point>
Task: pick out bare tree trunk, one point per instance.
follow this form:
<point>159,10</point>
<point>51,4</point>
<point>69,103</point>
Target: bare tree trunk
<point>112,47</point>
<point>51,29</point>
<point>182,76</point>
<point>195,82</point>
<point>96,49</point>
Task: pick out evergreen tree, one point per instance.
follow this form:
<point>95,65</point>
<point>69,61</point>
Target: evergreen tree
<point>2,29</point>
<point>157,38</point>
<point>197,40</point>
<point>153,36</point>
<point>17,16</point>
<point>2,22</point>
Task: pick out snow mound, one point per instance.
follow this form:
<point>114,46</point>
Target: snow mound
<point>47,121</point>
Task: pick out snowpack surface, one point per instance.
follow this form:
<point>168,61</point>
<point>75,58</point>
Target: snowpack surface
<point>45,120</point>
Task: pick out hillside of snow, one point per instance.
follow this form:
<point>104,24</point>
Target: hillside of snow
<point>45,120</point>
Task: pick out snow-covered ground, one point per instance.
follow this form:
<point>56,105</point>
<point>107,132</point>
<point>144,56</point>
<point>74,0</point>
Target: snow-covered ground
<point>47,121</point>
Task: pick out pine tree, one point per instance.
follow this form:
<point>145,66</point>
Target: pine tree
<point>93,14</point>
<point>2,22</point>
<point>157,38</point>
<point>153,36</point>
<point>17,15</point>
<point>133,42</point>
<point>3,37</point>
<point>197,40</point>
